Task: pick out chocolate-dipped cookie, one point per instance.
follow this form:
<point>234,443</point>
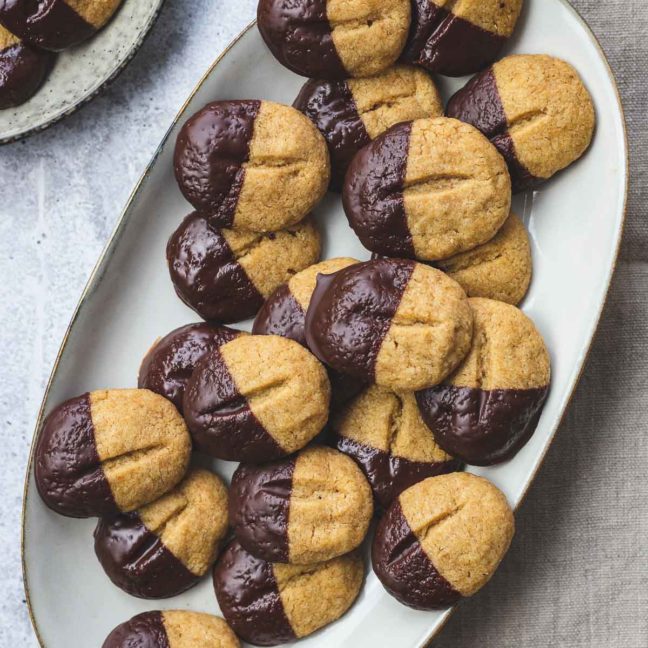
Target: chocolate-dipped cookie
<point>397,323</point>
<point>534,109</point>
<point>456,38</point>
<point>305,509</point>
<point>442,540</point>
<point>256,398</point>
<point>167,546</point>
<point>271,603</point>
<point>169,363</point>
<point>251,165</point>
<point>427,189</point>
<point>284,313</point>
<point>499,269</point>
<point>489,407</point>
<point>385,434</point>
<point>56,24</point>
<point>110,451</point>
<point>351,113</point>
<point>335,39</point>
<point>23,69</point>
<point>225,275</point>
<point>172,629</point>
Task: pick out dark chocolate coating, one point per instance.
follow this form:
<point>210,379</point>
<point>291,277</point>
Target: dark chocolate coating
<point>23,69</point>
<point>168,365</point>
<point>145,630</point>
<point>259,504</point>
<point>219,417</point>
<point>479,104</point>
<point>136,560</point>
<point>446,44</point>
<point>373,193</point>
<point>249,598</point>
<point>281,315</point>
<point>205,274</point>
<point>403,567</point>
<point>351,311</point>
<point>298,34</point>
<point>209,155</point>
<point>389,475</point>
<point>481,427</point>
<point>68,473</point>
<point>331,107</point>
<point>50,24</point>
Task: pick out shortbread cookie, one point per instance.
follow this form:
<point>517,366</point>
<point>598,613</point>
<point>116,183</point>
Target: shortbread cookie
<point>272,603</point>
<point>169,363</point>
<point>442,540</point>
<point>225,275</point>
<point>459,37</point>
<point>489,407</point>
<point>251,165</point>
<point>165,547</point>
<point>23,69</point>
<point>534,109</point>
<point>306,509</point>
<point>172,629</point>
<point>351,113</point>
<point>397,323</point>
<point>56,24</point>
<point>110,451</point>
<point>385,434</point>
<point>499,269</point>
<point>335,39</point>
<point>256,398</point>
<point>427,189</point>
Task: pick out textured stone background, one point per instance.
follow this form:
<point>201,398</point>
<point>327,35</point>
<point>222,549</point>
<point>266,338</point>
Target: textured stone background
<point>577,575</point>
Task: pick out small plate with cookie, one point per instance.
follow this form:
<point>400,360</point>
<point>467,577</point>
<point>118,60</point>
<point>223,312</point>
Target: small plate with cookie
<point>329,343</point>
<point>56,55</point>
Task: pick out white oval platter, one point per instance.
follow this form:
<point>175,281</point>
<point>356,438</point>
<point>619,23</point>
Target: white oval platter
<point>575,222</point>
<point>80,72</point>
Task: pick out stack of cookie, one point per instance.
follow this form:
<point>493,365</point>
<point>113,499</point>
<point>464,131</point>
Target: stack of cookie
<point>365,386</point>
<point>31,33</point>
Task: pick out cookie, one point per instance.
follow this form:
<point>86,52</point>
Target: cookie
<point>257,398</point>
<point>56,24</point>
<point>427,189</point>
<point>23,69</point>
<point>462,37</point>
<point>335,39</point>
<point>398,323</point>
<point>499,269</point>
<point>165,547</point>
<point>110,451</point>
<point>169,363</point>
<point>252,165</point>
<point>301,510</point>
<point>384,433</point>
<point>225,275</point>
<point>442,540</point>
<point>271,603</point>
<point>172,629</point>
<point>489,407</point>
<point>534,109</point>
<point>351,113</point>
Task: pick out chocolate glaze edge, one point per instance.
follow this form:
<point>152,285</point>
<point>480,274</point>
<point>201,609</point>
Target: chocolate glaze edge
<point>144,630</point>
<point>481,427</point>
<point>24,69</point>
<point>281,315</point>
<point>137,561</point>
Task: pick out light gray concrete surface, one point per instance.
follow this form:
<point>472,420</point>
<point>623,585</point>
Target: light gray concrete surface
<point>577,575</point>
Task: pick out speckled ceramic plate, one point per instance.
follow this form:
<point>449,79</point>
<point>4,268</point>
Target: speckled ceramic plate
<point>80,72</point>
<point>575,223</point>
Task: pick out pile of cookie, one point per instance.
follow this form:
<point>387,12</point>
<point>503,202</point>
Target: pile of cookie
<point>31,34</point>
<point>365,387</point>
